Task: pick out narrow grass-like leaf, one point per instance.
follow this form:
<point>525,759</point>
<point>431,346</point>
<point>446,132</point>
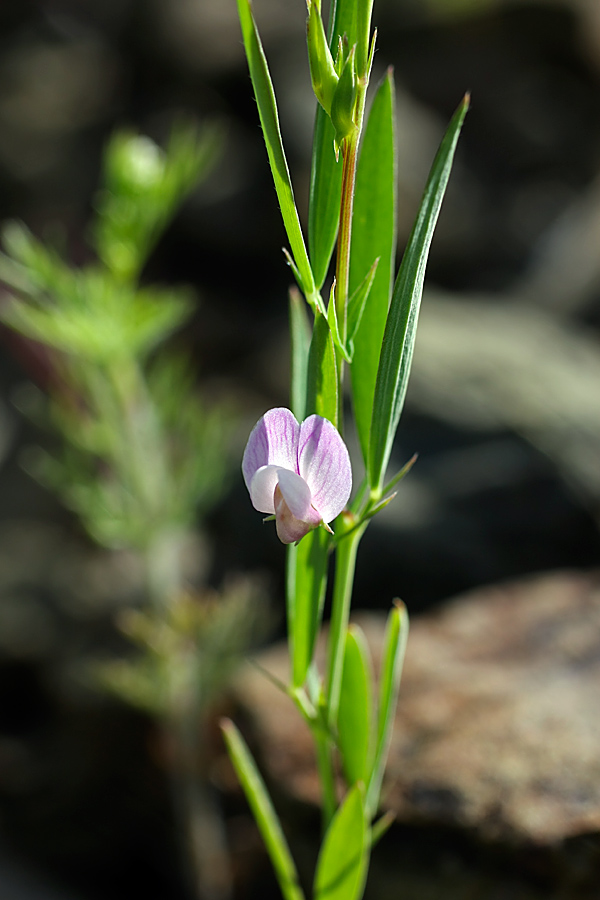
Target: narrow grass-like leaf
<point>363,29</point>
<point>355,725</point>
<point>300,345</point>
<point>394,647</point>
<point>334,325</point>
<point>373,236</point>
<point>322,383</point>
<point>401,325</point>
<point>325,197</point>
<point>326,172</point>
<point>263,811</point>
<point>358,300</point>
<point>306,582</point>
<point>269,118</point>
<point>342,863</point>
<point>381,827</point>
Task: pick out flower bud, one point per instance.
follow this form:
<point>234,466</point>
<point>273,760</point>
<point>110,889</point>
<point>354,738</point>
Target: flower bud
<point>344,101</point>
<point>322,71</point>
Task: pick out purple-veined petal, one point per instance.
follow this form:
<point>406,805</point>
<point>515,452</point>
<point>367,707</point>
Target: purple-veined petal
<point>324,464</point>
<point>262,487</point>
<point>289,528</point>
<point>273,442</point>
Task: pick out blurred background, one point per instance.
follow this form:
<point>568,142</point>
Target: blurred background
<point>503,408</point>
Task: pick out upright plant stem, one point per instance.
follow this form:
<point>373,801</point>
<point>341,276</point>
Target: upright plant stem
<point>342,275</point>
<point>342,594</point>
<point>324,748</point>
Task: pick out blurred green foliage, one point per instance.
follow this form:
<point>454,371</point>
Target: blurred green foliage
<point>143,453</point>
<point>188,652</point>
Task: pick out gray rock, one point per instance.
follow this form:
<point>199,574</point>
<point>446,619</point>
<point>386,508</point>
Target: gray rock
<point>498,725</point>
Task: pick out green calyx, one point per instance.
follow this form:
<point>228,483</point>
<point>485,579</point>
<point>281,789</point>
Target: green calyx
<point>322,70</point>
<point>344,101</point>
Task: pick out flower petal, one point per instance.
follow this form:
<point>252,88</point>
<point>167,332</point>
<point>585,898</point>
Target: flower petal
<point>273,442</point>
<point>289,528</point>
<point>297,496</point>
<point>324,463</point>
<point>262,488</point>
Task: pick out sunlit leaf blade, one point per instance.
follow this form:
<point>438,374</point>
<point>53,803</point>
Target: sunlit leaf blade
<point>373,236</point>
<point>334,325</point>
<point>401,325</point>
<point>300,345</point>
<point>322,383</point>
<point>342,863</point>
<point>363,29</point>
<point>357,301</point>
<point>306,583</point>
<point>355,710</point>
<point>394,647</point>
<point>263,811</point>
<point>267,109</point>
<point>325,197</point>
<point>345,22</point>
<point>326,173</point>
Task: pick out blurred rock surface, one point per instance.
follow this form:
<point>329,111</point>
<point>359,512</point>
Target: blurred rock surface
<point>497,728</point>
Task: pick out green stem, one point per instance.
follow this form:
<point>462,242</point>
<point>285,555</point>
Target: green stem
<point>342,274</point>
<point>324,747</point>
<point>342,593</point>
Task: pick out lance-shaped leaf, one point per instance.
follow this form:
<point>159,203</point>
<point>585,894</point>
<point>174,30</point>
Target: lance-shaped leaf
<point>334,325</point>
<point>373,236</point>
<point>326,171</point>
<point>322,72</point>
<point>263,812</point>
<point>325,196</point>
<point>342,863</point>
<point>401,325</point>
<point>355,737</point>
<point>358,300</point>
<point>300,346</point>
<point>322,382</point>
<point>364,9</point>
<point>269,119</point>
<point>394,647</point>
<point>306,581</point>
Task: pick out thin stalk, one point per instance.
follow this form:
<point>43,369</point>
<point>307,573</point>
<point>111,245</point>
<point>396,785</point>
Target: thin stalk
<point>324,748</point>
<point>342,274</point>
<point>342,593</point>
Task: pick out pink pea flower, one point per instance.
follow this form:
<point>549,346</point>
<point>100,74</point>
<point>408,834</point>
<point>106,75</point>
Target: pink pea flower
<point>301,474</point>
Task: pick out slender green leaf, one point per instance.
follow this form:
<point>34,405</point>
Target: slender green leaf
<point>342,863</point>
<point>306,582</point>
<point>325,197</point>
<point>263,811</point>
<point>373,236</point>
<point>326,172</point>
<point>345,22</point>
<point>300,341</point>
<point>334,325</point>
<point>358,300</point>
<point>381,827</point>
<point>322,71</point>
<point>355,737</point>
<point>322,383</point>
<point>363,34</point>
<point>269,118</point>
<point>394,647</point>
<point>401,325</point>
